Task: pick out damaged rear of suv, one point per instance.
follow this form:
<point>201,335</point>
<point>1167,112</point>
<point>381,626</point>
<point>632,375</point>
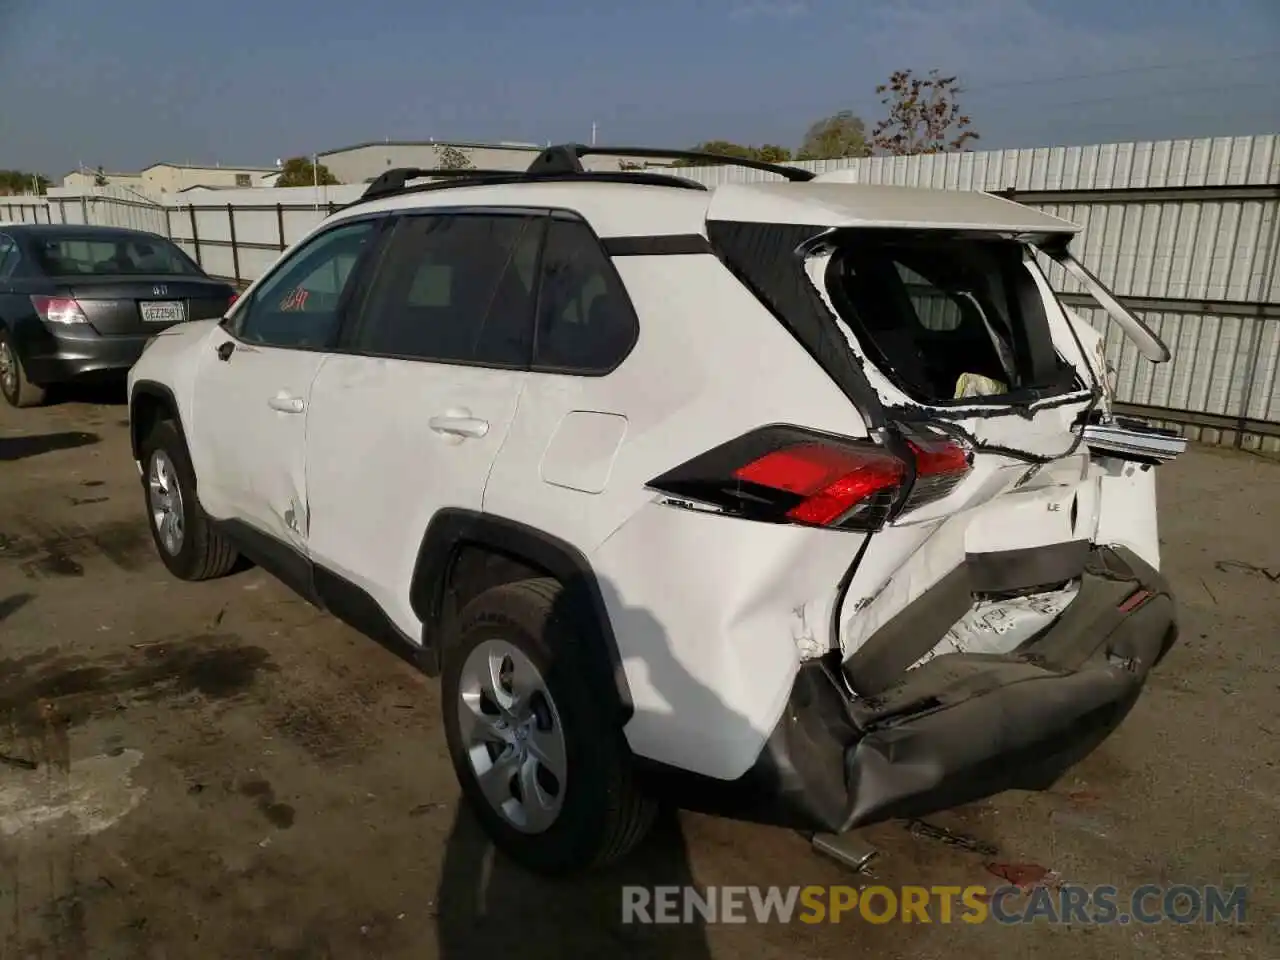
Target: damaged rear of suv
<point>1004,604</point>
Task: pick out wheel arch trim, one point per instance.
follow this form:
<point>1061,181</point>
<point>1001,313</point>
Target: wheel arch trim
<point>453,529</point>
<point>155,391</point>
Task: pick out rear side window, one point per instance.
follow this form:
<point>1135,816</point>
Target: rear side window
<point>586,323</point>
<point>455,288</point>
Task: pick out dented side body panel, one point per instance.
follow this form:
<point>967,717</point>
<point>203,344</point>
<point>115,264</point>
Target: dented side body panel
<point>250,460</point>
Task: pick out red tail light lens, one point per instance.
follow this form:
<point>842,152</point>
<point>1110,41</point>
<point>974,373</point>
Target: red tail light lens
<point>940,466</point>
<point>231,300</point>
<point>58,309</point>
<point>789,475</point>
<point>831,480</point>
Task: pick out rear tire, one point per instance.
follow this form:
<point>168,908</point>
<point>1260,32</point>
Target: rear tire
<point>188,544</point>
<point>599,815</point>
<point>18,390</point>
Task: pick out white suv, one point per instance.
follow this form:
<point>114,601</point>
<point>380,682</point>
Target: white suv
<point>798,500</point>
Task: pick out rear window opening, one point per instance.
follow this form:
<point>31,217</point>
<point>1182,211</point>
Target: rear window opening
<point>947,318</point>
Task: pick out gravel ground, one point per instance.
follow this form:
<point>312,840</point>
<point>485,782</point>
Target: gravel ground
<point>223,771</point>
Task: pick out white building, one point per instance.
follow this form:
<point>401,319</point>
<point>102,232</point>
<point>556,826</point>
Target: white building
<point>176,177</point>
<point>85,178</point>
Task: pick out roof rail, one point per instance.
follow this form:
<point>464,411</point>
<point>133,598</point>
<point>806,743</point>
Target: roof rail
<point>394,180</point>
<point>567,158</point>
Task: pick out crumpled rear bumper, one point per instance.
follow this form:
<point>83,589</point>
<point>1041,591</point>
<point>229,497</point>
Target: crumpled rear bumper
<point>966,726</point>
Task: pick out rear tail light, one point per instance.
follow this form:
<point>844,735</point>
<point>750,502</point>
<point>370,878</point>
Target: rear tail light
<point>940,466</point>
<point>231,300</point>
<point>58,309</point>
<point>789,475</point>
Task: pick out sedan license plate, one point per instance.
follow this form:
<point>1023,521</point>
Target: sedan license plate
<point>163,311</point>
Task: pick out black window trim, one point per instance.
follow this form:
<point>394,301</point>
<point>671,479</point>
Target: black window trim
<point>232,323</point>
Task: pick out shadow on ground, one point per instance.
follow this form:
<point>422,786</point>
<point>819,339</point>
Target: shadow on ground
<point>19,448</point>
<point>487,906</point>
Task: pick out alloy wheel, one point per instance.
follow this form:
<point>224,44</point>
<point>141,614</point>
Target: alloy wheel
<point>165,499</point>
<point>513,737</point>
<point>8,369</point>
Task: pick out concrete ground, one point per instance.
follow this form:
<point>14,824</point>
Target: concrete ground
<point>222,771</point>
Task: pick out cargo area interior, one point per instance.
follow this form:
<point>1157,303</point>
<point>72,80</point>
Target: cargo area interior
<point>929,309</point>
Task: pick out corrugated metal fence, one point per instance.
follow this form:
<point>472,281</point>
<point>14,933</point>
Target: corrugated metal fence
<point>1187,232</point>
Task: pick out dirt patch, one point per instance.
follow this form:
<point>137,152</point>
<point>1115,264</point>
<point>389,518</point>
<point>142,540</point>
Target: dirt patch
<point>58,552</point>
<point>38,692</point>
<point>279,815</point>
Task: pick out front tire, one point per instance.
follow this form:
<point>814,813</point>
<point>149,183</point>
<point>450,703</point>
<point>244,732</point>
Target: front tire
<point>548,779</point>
<point>17,389</point>
<point>186,540</point>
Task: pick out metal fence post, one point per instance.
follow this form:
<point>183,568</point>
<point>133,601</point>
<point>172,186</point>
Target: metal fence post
<point>280,225</point>
<point>1265,283</point>
<point>168,223</point>
<point>235,250</point>
<point>195,233</point>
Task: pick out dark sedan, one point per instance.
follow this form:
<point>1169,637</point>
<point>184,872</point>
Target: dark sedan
<point>80,302</point>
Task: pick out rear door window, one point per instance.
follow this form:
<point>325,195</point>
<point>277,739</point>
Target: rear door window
<point>586,322</point>
<point>455,288</point>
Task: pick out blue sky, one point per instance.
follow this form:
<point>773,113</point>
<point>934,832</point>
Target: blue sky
<point>129,82</point>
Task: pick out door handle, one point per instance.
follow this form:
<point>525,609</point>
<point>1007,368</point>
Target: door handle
<point>459,423</point>
<point>286,404</point>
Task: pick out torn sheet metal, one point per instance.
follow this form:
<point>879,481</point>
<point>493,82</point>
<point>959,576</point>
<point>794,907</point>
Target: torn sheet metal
<point>1001,626</point>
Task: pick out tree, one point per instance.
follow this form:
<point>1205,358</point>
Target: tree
<point>841,135</point>
<point>772,153</point>
<point>100,178</point>
<point>301,172</point>
<point>924,116</point>
<point>18,182</point>
<point>451,158</point>
<point>769,152</point>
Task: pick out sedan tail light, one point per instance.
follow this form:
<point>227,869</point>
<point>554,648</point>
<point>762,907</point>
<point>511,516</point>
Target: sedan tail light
<point>58,309</point>
<point>783,474</point>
